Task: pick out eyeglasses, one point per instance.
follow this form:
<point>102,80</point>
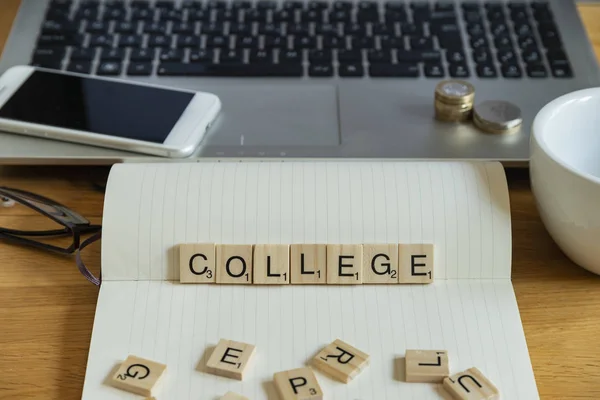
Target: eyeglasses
<point>72,225</point>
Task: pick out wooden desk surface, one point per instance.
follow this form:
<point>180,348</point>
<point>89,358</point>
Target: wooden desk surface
<point>47,308</point>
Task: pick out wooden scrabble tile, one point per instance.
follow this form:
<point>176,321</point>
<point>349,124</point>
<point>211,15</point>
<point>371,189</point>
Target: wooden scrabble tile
<point>415,263</point>
<point>380,263</point>
<point>341,361</point>
<point>197,263</point>
<point>233,396</point>
<point>308,264</point>
<point>298,384</point>
<point>230,359</point>
<point>344,264</point>
<point>471,385</point>
<point>271,264</point>
<point>426,365</point>
<point>138,375</point>
<point>234,264</point>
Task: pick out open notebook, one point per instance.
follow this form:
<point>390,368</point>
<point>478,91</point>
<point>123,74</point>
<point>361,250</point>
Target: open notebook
<point>470,309</point>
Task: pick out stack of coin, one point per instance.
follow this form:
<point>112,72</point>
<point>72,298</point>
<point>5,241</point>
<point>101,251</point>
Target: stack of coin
<point>497,116</point>
<point>454,101</point>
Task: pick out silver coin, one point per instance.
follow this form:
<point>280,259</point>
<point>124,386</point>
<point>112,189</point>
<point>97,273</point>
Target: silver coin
<point>499,114</point>
<point>455,89</point>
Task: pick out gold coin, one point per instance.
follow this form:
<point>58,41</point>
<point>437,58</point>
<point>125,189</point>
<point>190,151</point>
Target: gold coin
<point>445,107</point>
<point>455,92</point>
<point>456,116</point>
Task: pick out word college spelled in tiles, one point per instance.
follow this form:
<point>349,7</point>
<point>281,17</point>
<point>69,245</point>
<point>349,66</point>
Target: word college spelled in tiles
<point>138,375</point>
<point>306,264</point>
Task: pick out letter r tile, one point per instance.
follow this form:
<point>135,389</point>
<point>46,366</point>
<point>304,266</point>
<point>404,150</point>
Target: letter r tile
<point>341,361</point>
<point>138,375</point>
<point>230,359</point>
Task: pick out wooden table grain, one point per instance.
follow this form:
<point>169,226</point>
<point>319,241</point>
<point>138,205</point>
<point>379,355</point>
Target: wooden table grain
<point>47,308</point>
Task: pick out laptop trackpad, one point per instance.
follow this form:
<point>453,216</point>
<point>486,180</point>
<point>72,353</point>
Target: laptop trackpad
<point>276,115</point>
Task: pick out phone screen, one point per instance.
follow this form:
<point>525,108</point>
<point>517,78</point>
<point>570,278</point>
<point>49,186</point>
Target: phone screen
<point>96,105</point>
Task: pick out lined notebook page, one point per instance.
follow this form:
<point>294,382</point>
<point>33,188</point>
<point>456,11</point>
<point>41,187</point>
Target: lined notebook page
<point>477,321</point>
<point>461,207</point>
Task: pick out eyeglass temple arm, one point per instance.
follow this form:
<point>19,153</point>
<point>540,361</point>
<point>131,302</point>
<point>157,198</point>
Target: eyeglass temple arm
<point>81,265</point>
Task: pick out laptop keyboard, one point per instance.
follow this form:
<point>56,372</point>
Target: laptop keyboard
<point>292,38</point>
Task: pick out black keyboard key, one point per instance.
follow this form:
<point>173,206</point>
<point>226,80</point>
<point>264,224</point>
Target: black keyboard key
<point>143,14</point>
<point>342,5</point>
<point>50,27</point>
<point>326,30</point>
<point>217,42</point>
<point>442,17</point>
<point>187,41</point>
<point>129,41</point>
<point>472,17</point>
<point>112,55</point>
<point>266,4</point>
<point>506,56</point>
<point>101,40</point>
<point>293,5</point>
<point>89,14</point>
<point>487,70</point>
<point>443,6</point>
<point>61,4</point>
<point>503,42</point>
<point>345,56</point>
<point>340,16</point>
<point>125,27</point>
<point>511,71</point>
<point>456,56</point>
<point>391,42</point>
<point>556,56</point>
<point>543,15</point>
<point>550,38</point>
<point>362,42</point>
<point>59,39</point>
<point>262,56</point>
<point>305,42</point>
<point>499,29</point>
<point>481,56</point>
<point>100,27</point>
<point>561,71</point>
<point>284,16</point>
<point>199,15</point>
<point>421,43</point>
<point>496,15</point>
<point>290,56</point>
<point>537,71</point>
<point>233,70</point>
<point>216,4</point>
<point>47,62</point>
<point>114,14</point>
<point>165,5</point>
<point>320,69</point>
<point>272,42</point>
<point>434,70</point>
<point>367,16</point>
<point>255,15</point>
<point>202,56</point>
<point>184,28</point>
<point>215,28</point>
<point>470,5</point>
<point>174,55</point>
<point>141,55</point>
<point>311,16</point>
<point>444,29</point>
<point>155,27</point>
<point>479,43</point>
<point>82,67</point>
<point>243,29</point>
<point>320,56</point>
<point>109,68</point>
<point>526,42</point>
<point>351,70</point>
<point>83,54</point>
<point>459,71</point>
<point>406,70</point>
<point>450,42</point>
<point>49,52</point>
<point>418,56</point>
<point>531,56</point>
<point>246,42</point>
<point>159,41</point>
<point>139,69</point>
<point>381,29</point>
<point>519,15</point>
<point>270,29</point>
<point>332,42</point>
<point>540,5</point>
<point>171,15</point>
<point>231,56</point>
<point>523,30</point>
<point>379,56</point>
<point>355,29</point>
<point>226,16</point>
<point>411,29</point>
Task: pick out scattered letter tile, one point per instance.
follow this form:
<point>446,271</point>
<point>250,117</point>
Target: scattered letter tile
<point>380,263</point>
<point>271,264</point>
<point>341,361</point>
<point>234,264</point>
<point>308,264</point>
<point>471,385</point>
<point>230,359</point>
<point>197,263</point>
<point>233,396</point>
<point>427,365</point>
<point>415,263</point>
<point>344,264</point>
<point>298,384</point>
<point>138,375</point>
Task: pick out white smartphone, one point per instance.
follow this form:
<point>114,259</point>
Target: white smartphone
<point>105,112</point>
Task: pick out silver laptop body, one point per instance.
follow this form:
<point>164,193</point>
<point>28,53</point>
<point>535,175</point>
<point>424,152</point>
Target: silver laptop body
<point>368,116</point>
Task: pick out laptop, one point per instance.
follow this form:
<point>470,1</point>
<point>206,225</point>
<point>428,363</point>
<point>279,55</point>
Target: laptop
<point>313,78</point>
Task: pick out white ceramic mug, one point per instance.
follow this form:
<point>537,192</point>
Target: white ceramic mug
<point>565,174</point>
